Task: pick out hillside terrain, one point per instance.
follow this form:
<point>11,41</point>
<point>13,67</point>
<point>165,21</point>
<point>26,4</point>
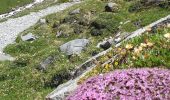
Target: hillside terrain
<point>49,52</point>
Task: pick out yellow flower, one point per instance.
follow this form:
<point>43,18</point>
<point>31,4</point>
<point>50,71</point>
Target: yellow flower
<point>129,46</point>
<point>140,48</point>
<point>136,51</point>
<point>123,52</point>
<point>116,63</point>
<point>134,58</point>
<point>167,35</point>
<point>143,45</point>
<point>149,44</point>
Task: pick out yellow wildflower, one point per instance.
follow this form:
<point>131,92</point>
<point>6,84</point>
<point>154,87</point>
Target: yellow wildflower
<point>116,63</point>
<point>134,58</point>
<point>136,51</point>
<point>123,52</point>
<point>167,35</point>
<point>143,45</point>
<point>140,48</point>
<point>149,44</point>
<point>129,46</point>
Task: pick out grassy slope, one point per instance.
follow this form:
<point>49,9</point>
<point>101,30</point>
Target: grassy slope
<point>7,5</point>
<point>26,82</point>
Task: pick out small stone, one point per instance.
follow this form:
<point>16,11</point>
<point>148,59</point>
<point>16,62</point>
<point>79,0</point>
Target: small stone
<point>111,7</point>
<point>42,21</point>
<point>117,40</point>
<point>96,32</point>
<point>44,64</point>
<point>28,37</point>
<point>106,45</point>
<point>76,11</point>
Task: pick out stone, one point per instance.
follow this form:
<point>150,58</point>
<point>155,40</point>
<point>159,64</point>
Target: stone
<point>111,7</point>
<point>96,32</point>
<point>76,11</point>
<point>59,33</point>
<point>74,46</point>
<point>43,21</point>
<point>6,57</point>
<point>28,37</point>
<point>117,40</point>
<point>44,64</point>
<point>106,44</point>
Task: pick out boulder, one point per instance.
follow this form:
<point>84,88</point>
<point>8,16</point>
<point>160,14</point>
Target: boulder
<point>28,37</point>
<point>76,11</point>
<point>74,46</point>
<point>111,7</point>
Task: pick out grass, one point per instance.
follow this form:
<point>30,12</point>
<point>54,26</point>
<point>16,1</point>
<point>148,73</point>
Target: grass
<point>8,5</point>
<point>21,79</point>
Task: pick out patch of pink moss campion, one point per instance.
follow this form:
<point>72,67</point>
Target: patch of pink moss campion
<point>131,84</point>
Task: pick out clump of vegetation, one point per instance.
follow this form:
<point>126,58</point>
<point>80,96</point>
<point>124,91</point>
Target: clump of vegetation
<point>136,83</point>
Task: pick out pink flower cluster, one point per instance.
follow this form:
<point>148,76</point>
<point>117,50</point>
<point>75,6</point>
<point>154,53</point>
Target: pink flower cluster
<point>130,84</point>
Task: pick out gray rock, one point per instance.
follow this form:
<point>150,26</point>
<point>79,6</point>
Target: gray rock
<point>74,46</point>
<point>5,57</point>
<point>111,7</point>
<point>76,11</point>
<point>44,64</point>
<point>43,21</point>
<point>28,37</point>
<point>106,44</point>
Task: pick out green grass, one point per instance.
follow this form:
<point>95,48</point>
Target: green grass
<point>7,5</point>
<point>21,80</point>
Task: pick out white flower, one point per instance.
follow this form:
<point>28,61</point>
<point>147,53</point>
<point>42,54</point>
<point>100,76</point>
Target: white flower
<point>129,46</point>
<point>143,45</point>
<point>167,35</point>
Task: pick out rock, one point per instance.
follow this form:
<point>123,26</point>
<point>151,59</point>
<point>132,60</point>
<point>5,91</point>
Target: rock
<point>96,32</point>
<point>111,7</point>
<point>78,29</point>
<point>94,53</point>
<point>6,57</point>
<point>44,64</point>
<point>28,37</point>
<point>76,11</point>
<point>59,33</point>
<point>106,44</point>
<point>117,40</point>
<point>74,46</point>
<point>43,21</point>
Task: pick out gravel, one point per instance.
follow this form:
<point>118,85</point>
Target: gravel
<point>10,29</point>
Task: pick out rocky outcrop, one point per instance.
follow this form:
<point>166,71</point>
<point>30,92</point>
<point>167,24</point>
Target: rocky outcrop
<point>74,46</point>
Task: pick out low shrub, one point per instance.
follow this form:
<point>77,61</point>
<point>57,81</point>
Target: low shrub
<point>130,84</point>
